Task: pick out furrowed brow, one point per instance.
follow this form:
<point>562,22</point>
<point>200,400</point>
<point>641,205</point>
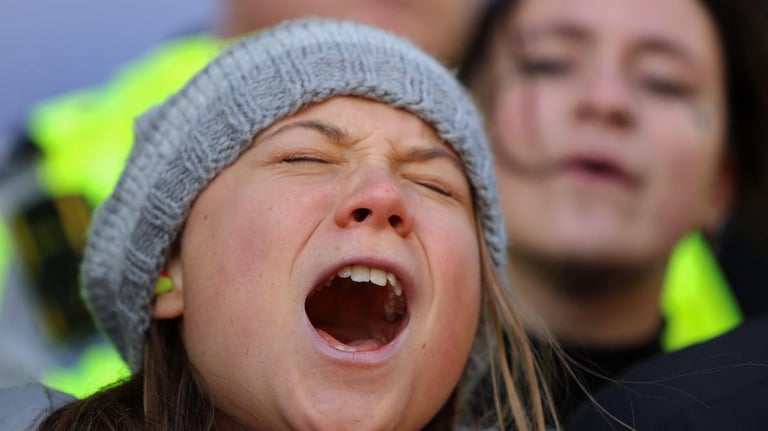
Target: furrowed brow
<point>425,154</point>
<point>330,131</point>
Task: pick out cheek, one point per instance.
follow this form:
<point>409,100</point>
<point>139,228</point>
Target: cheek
<point>237,252</point>
<point>510,126</point>
<point>529,121</point>
<point>455,266</point>
<point>685,161</point>
<point>251,234</point>
<point>529,128</point>
<point>231,244</point>
<point>228,275</point>
<point>446,348</point>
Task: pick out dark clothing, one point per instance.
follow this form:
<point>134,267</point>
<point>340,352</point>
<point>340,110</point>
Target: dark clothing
<point>718,385</point>
<point>593,368</point>
<point>23,407</point>
<point>743,264</point>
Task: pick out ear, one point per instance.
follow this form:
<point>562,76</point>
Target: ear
<point>170,304</point>
<point>721,197</point>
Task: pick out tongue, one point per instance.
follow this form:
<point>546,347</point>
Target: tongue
<point>363,345</point>
<point>359,345</point>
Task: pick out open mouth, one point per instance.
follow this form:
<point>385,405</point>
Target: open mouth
<point>358,309</point>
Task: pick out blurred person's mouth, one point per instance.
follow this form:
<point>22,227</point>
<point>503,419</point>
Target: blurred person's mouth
<point>586,168</point>
<point>598,171</point>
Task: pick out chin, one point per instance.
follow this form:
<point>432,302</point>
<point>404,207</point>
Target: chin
<point>348,413</point>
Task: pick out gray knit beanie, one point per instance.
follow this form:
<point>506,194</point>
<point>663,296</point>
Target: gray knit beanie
<point>183,143</point>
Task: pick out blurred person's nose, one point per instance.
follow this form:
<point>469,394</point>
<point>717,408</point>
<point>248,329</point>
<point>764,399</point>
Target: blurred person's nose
<point>604,97</point>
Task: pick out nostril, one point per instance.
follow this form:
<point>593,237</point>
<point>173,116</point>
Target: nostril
<point>395,221</point>
<point>361,214</point>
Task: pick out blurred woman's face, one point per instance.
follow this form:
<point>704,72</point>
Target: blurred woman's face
<point>608,119</point>
<point>331,275</point>
<point>440,27</point>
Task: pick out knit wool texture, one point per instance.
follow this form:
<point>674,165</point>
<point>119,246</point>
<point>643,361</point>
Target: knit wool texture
<point>182,144</point>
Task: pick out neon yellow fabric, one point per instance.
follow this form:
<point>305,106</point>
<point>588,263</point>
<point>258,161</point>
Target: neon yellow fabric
<point>99,366</point>
<point>86,136</point>
<point>6,250</point>
<point>696,300</point>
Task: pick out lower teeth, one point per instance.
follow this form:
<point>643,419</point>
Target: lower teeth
<point>359,345</point>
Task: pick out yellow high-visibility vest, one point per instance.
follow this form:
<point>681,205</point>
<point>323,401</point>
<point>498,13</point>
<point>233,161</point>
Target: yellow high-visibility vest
<point>6,253</point>
<point>696,301</point>
<point>85,138</point>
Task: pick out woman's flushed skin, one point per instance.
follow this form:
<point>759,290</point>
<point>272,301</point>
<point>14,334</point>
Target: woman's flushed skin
<point>279,333</point>
<point>608,120</point>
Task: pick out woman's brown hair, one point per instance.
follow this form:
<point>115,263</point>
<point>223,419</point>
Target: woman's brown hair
<point>521,399</point>
<point>164,395</point>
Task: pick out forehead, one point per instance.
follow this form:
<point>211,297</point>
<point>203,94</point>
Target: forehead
<point>359,118</point>
<point>683,22</point>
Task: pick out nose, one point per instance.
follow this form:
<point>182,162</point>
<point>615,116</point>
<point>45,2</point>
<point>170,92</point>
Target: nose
<point>375,200</point>
<point>605,98</point>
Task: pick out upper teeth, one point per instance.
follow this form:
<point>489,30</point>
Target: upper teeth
<point>364,274</point>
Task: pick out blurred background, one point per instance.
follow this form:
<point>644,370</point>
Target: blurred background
<point>48,49</point>
<point>51,48</point>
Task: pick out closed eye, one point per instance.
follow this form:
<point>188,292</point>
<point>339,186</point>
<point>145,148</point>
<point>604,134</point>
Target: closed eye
<point>435,187</point>
<point>666,88</point>
<point>302,158</point>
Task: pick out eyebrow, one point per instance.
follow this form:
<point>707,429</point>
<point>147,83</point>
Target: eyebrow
<point>562,29</point>
<point>660,45</point>
<point>576,32</point>
<point>342,137</point>
<point>336,134</point>
<point>425,154</point>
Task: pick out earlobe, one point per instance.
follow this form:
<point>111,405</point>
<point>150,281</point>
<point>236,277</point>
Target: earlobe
<point>168,302</point>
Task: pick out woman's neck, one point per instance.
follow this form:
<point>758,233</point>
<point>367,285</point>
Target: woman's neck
<point>588,305</point>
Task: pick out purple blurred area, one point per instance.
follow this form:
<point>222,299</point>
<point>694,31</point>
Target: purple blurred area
<point>48,47</point>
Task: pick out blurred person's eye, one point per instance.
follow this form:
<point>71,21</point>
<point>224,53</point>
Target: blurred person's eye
<point>664,76</point>
<point>543,67</point>
<point>547,56</point>
<point>665,87</point>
